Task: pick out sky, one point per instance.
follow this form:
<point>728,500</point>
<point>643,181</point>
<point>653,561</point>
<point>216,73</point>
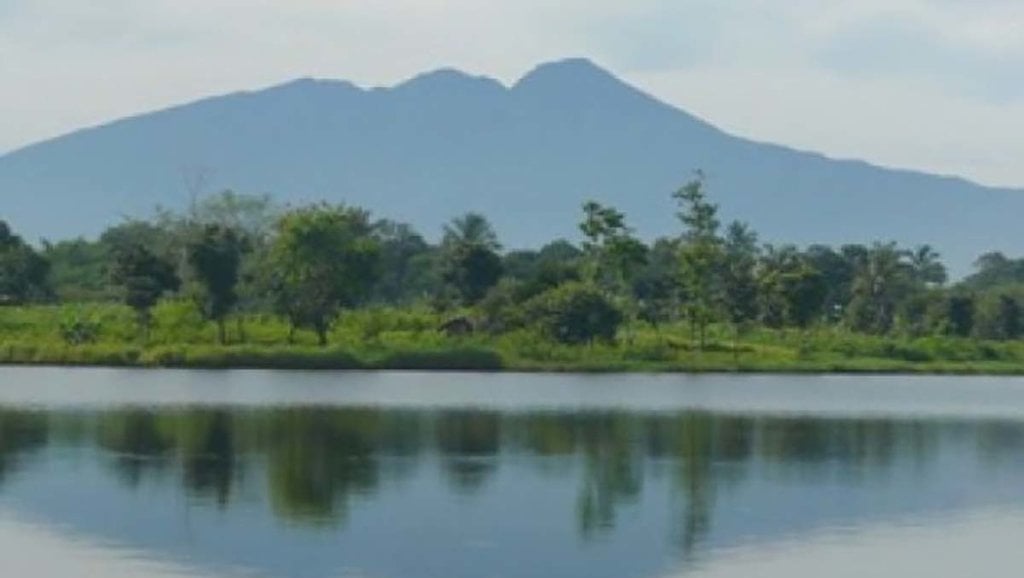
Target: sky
<point>934,85</point>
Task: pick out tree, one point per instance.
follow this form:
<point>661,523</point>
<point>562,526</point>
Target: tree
<point>251,216</point>
<point>215,258</point>
<point>656,286</point>
<point>144,278</point>
<point>792,290</point>
<point>838,269</point>
<point>882,282</point>
<point>921,312</point>
<point>404,264</point>
<point>576,313</point>
<point>471,270</point>
<point>995,270</point>
<point>773,264</point>
<point>805,292</point>
<point>613,255</point>
<point>926,267</point>
<point>739,277</point>
<point>960,315</point>
<point>537,271</point>
<point>23,272</point>
<point>471,229</point>
<point>137,233</point>
<point>78,270</point>
<point>1011,324</point>
<point>323,258</point>
<point>998,316</point>
<point>471,264</point>
<point>700,251</point>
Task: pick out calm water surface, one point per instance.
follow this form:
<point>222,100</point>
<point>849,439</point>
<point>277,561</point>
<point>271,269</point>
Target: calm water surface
<point>291,474</point>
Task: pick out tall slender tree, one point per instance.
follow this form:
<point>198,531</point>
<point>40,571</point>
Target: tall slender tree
<point>739,277</point>
<point>613,256</point>
<point>700,253</point>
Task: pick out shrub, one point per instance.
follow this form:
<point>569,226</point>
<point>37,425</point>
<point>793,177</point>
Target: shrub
<point>500,309</point>
<point>575,313</point>
<point>76,330</point>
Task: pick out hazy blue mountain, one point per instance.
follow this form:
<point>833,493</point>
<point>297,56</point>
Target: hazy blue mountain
<point>526,155</point>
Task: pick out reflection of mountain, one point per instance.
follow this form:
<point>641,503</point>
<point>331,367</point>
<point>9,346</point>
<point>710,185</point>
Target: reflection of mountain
<point>346,486</point>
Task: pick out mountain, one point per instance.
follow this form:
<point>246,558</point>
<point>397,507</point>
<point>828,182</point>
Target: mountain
<point>527,156</point>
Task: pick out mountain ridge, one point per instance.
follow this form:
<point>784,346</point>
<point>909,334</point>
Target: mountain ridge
<point>334,83</point>
<point>527,154</point>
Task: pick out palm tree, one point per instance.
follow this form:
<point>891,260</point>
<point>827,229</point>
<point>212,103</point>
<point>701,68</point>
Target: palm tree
<point>882,281</point>
<point>471,229</point>
<point>928,270</point>
<point>472,264</point>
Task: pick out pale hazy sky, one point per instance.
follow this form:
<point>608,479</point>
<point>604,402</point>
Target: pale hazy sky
<point>929,84</point>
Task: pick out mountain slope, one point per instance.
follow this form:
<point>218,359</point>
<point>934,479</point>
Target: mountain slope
<point>526,155</point>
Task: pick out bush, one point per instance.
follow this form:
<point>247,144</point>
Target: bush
<point>575,313</point>
<point>76,330</point>
<point>500,309</point>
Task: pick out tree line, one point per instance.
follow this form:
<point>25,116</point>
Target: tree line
<point>237,254</point>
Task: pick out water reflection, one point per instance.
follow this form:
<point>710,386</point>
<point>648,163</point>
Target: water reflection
<point>716,479</point>
<point>20,433</point>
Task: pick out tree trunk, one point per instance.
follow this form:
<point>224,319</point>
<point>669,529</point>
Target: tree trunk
<point>222,334</point>
<point>321,334</point>
<point>736,345</point>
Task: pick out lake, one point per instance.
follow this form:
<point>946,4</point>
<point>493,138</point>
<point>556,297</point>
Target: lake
<point>305,474</point>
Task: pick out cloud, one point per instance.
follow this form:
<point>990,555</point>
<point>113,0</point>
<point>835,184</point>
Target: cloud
<point>897,46</point>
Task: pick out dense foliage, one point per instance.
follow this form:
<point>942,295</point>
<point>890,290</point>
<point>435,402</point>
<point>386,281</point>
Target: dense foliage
<point>23,272</point>
<point>713,286</point>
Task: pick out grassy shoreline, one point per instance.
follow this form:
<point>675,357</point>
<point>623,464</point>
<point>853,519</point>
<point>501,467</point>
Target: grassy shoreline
<point>465,359</point>
<point>408,339</point>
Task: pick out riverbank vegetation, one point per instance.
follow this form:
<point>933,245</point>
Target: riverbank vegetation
<point>239,282</point>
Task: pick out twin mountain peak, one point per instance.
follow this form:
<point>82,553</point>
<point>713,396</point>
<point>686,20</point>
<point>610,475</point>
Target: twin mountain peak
<point>527,155</point>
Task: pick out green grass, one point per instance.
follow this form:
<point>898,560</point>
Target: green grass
<point>408,339</point>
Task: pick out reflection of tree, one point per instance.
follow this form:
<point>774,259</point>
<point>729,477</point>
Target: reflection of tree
<point>402,437</point>
<point>317,459</point>
<point>613,470</point>
<point>549,434</point>
<point>138,444</point>
<point>696,453</point>
<point>469,443</point>
<point>707,452</point>
<point>851,448</point>
<point>208,453</point>
<point>797,441</point>
<point>20,432</point>
<point>1000,443</point>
